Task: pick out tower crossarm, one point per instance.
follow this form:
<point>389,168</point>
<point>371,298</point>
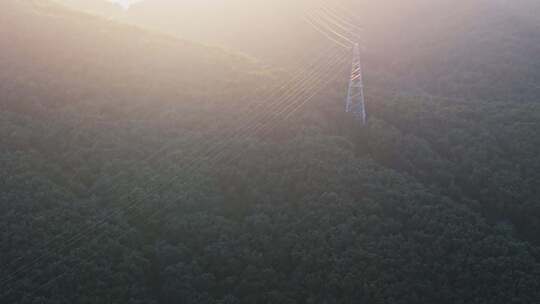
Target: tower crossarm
<point>355,103</point>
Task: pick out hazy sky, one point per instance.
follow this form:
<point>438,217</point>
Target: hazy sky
<point>125,4</point>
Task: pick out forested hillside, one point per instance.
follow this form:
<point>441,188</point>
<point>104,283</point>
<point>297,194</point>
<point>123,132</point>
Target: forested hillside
<point>119,182</point>
<point>480,48</point>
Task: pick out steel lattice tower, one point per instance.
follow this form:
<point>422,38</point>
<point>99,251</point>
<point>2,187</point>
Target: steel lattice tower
<point>355,97</point>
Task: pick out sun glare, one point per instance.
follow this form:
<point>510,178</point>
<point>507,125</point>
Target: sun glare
<point>125,4</point>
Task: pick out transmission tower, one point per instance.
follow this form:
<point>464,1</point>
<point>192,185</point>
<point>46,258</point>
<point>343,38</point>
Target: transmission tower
<point>355,97</point>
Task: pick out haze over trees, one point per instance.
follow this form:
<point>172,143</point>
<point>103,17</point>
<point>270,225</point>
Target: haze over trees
<point>120,182</point>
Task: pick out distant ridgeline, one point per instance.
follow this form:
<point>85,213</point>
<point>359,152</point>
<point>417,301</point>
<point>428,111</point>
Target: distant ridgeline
<point>464,49</point>
<point>128,173</point>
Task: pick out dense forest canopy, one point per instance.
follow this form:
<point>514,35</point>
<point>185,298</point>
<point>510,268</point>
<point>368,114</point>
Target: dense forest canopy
<point>140,167</point>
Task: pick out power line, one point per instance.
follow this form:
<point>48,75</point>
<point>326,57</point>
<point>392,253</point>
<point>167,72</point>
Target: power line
<point>215,158</point>
<point>324,15</point>
<point>318,29</point>
<point>38,261</point>
<point>296,83</point>
<point>328,27</point>
<point>349,20</point>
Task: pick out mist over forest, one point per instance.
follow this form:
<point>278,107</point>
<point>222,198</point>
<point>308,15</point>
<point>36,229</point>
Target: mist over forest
<point>201,152</point>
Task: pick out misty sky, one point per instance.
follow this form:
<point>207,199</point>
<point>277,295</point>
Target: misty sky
<point>125,4</point>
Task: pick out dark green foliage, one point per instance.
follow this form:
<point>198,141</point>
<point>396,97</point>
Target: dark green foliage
<point>434,201</point>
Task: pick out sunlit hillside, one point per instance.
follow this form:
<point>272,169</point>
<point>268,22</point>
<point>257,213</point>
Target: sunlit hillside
<point>457,48</point>
<point>75,58</point>
<point>200,152</point>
